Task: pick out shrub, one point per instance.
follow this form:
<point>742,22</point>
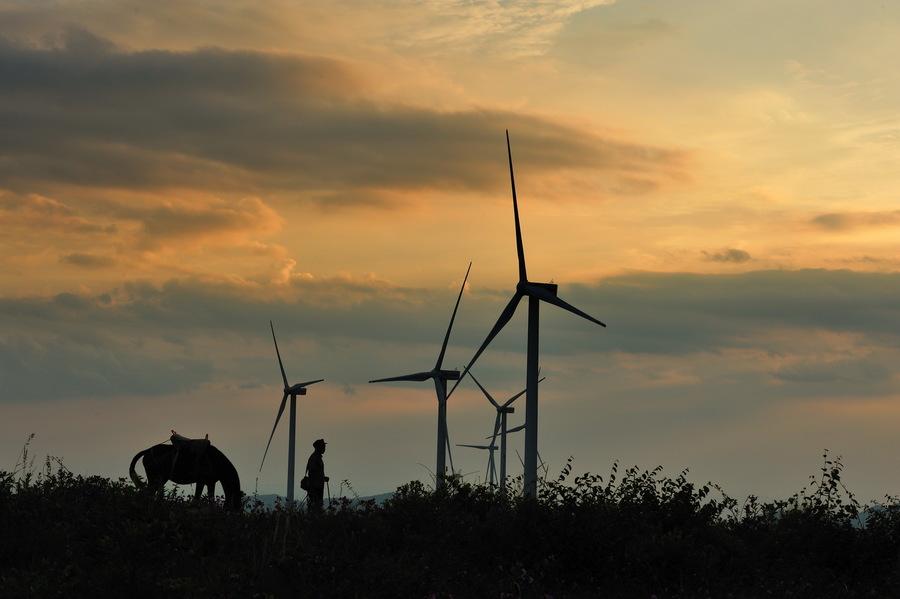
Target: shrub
<point>634,534</point>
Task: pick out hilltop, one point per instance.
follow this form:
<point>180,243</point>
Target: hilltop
<point>631,534</point>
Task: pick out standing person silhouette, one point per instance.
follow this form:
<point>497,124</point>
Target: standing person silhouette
<point>315,471</point>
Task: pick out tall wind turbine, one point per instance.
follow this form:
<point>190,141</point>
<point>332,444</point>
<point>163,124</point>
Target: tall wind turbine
<point>291,391</point>
<point>503,410</point>
<point>536,293</point>
<point>490,474</point>
<point>440,378</point>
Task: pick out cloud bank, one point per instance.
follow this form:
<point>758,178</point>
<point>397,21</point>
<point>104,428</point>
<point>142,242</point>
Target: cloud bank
<point>137,329</point>
<point>845,221</point>
<point>86,113</point>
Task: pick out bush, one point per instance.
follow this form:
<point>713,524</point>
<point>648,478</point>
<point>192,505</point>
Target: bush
<point>640,534</point>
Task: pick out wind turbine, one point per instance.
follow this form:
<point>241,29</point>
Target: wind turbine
<point>490,474</point>
<point>500,424</point>
<point>440,378</point>
<point>544,466</point>
<point>536,293</point>
<point>291,391</point>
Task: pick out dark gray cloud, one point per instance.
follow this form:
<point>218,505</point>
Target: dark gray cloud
<point>86,113</point>
<point>728,255</point>
<point>854,371</point>
<point>646,312</point>
<point>46,366</point>
<point>362,327</point>
<point>842,221</point>
<point>196,220</point>
<point>684,312</point>
<point>88,260</point>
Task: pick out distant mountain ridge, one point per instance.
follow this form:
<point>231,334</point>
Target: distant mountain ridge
<point>269,500</point>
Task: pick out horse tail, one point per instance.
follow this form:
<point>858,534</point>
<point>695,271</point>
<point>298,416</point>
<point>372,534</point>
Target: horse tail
<point>132,473</point>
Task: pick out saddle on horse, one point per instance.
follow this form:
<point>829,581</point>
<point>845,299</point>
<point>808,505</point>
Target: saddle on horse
<point>189,450</point>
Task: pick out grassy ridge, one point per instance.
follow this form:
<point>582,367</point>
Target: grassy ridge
<point>638,534</point>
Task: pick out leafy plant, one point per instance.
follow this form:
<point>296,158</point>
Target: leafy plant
<point>631,533</point>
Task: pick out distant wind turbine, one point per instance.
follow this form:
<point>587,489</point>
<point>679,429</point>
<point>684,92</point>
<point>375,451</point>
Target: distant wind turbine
<point>490,474</point>
<point>536,293</point>
<point>503,410</point>
<point>440,378</point>
<point>544,466</point>
<point>291,391</point>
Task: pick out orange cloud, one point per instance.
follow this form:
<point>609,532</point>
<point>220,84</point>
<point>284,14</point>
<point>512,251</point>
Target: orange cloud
<point>38,212</point>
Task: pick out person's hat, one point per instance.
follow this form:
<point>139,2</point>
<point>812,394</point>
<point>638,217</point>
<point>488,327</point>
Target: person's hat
<point>319,443</point>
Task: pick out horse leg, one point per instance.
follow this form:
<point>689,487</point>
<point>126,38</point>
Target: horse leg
<point>157,486</point>
<point>198,491</point>
<point>211,492</point>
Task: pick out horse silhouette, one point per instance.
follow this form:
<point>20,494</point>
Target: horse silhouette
<point>165,462</point>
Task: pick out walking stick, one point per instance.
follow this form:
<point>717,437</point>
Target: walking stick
<point>328,486</point>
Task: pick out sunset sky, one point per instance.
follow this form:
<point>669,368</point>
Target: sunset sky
<point>717,181</point>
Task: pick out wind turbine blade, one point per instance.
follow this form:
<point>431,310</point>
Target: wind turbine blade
<point>493,437</point>
<point>505,316</point>
<point>556,301</point>
<point>493,468</point>
<point>515,429</point>
<point>277,418</point>
<point>462,375</point>
<point>472,446</point>
<point>518,455</point>
<point>308,383</point>
<point>514,397</point>
<point>449,452</point>
<point>418,376</point>
<point>278,353</point>
<point>519,394</point>
<point>519,249</point>
<point>483,390</point>
<point>440,359</point>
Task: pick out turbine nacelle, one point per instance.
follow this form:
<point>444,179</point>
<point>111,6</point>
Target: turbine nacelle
<point>447,375</point>
<point>537,289</point>
<point>300,388</point>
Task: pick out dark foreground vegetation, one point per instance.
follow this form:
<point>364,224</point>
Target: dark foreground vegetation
<point>635,534</point>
